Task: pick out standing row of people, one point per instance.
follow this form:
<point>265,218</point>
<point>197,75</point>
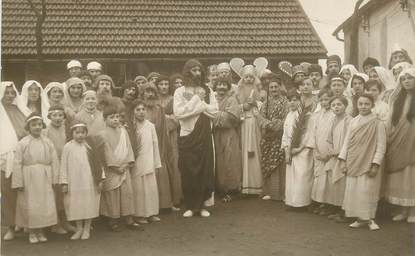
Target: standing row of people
<point>74,151</point>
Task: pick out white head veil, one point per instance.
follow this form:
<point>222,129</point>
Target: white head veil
<point>8,136</point>
<point>353,71</point>
<point>44,102</point>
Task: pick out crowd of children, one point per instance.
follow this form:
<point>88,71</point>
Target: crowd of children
<point>333,145</point>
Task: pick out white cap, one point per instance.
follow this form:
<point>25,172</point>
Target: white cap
<point>93,65</point>
<point>73,63</point>
<point>224,66</point>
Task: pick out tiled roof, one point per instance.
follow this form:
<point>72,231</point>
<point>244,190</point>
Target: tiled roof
<point>161,28</point>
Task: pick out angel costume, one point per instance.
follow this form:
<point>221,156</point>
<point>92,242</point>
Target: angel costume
<point>250,133</point>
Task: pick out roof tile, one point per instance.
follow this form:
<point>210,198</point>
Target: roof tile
<point>161,27</point>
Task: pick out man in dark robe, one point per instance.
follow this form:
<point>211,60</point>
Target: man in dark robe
<point>194,106</point>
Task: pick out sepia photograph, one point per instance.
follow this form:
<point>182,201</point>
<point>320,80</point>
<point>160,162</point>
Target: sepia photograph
<point>207,127</point>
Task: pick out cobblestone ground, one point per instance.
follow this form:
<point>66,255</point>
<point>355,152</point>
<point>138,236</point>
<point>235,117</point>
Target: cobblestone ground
<point>242,227</point>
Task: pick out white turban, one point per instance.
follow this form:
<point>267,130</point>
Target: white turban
<point>73,64</point>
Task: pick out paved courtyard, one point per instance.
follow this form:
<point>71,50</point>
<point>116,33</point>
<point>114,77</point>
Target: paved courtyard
<point>242,227</point>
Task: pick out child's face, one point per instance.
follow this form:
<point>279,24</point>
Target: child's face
<point>74,72</point>
<point>315,77</point>
<point>213,75</point>
<point>57,118</point>
<point>408,82</point>
<point>306,87</point>
<point>178,83</point>
<point>299,77</point>
<point>338,107</point>
<point>396,72</point>
<point>373,75</point>
<point>294,103</point>
<point>223,73</point>
<point>249,79</point>
<point>87,80</point>
<point>364,105</point>
<point>35,127</point>
<point>346,74</point>
<point>113,120</point>
<point>367,68</point>
<point>79,134</point>
<point>130,93</point>
<point>398,57</point>
<point>358,86</point>
<point>163,87</point>
<point>333,68</point>
<point>90,101</point>
<point>76,90</point>
<point>56,94</point>
<point>374,91</point>
<point>94,72</point>
<point>337,87</point>
<point>33,93</point>
<point>123,117</point>
<point>325,101</point>
<point>140,113</point>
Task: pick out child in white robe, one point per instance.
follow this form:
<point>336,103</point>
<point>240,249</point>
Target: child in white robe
<point>117,195</point>
<point>299,160</point>
<point>56,132</point>
<point>79,182</point>
<point>146,198</point>
<point>322,119</point>
<point>35,171</point>
<point>363,151</point>
<point>338,129</point>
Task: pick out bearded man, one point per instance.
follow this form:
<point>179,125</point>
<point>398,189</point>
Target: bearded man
<point>194,106</point>
<point>105,86</point>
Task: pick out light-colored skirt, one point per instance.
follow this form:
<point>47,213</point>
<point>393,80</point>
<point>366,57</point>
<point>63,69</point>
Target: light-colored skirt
<point>321,191</point>
<point>251,155</point>
<point>361,196</point>
<point>400,187</point>
<point>337,192</point>
<point>35,205</point>
<point>118,202</point>
<point>299,179</point>
<point>146,197</point>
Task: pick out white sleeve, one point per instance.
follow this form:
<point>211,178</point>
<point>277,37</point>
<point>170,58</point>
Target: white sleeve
<point>183,109</point>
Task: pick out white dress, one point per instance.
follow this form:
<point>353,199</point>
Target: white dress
<point>82,200</point>
<point>299,174</point>
<point>143,176</point>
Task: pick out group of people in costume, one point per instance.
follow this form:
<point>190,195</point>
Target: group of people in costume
<point>332,144</point>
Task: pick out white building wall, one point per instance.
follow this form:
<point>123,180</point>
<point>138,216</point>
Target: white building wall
<point>388,25</point>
